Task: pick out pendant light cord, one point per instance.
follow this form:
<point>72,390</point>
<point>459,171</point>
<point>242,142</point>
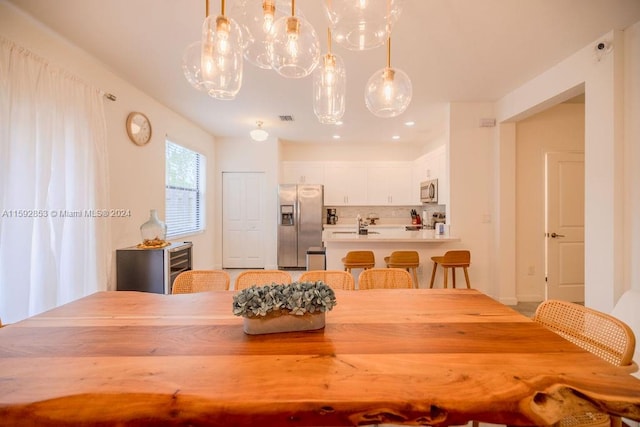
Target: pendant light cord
<point>389,52</point>
<point>293,7</point>
<point>329,41</point>
<point>206,9</point>
<point>222,7</point>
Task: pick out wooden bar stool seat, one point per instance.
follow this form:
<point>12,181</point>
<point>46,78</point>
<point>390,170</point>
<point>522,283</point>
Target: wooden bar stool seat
<point>358,259</point>
<point>452,260</point>
<point>408,260</point>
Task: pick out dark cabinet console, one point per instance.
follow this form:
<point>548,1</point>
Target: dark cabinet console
<point>152,270</point>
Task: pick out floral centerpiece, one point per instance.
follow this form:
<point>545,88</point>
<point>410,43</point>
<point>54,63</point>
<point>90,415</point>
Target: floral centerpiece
<point>298,306</point>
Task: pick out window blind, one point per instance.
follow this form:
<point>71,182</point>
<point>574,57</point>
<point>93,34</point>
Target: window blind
<point>184,195</point>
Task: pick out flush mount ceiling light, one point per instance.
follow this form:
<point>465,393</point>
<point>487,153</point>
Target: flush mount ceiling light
<point>259,134</point>
<point>329,87</point>
<point>293,46</point>
<point>221,57</point>
<point>388,91</point>
<point>362,24</point>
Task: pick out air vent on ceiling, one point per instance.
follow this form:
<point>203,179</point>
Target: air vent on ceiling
<point>286,118</point>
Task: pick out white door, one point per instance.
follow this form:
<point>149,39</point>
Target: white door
<point>565,226</point>
<point>243,219</point>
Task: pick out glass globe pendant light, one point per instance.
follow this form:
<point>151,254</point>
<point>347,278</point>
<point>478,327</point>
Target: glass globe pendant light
<point>329,87</point>
<point>221,60</point>
<point>191,65</point>
<point>256,22</point>
<point>388,91</point>
<point>293,46</point>
<point>362,24</point>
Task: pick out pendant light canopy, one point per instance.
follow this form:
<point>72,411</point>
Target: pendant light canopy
<point>362,24</point>
<point>293,46</point>
<point>388,91</point>
<point>221,60</point>
<point>259,134</point>
<point>329,87</point>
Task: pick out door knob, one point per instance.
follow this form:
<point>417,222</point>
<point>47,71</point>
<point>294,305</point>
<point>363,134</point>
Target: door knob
<point>554,235</point>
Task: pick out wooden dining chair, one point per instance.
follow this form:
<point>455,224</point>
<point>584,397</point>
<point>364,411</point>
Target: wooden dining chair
<point>594,331</point>
<point>193,281</point>
<point>409,260</point>
<point>358,259</point>
<point>248,278</point>
<point>385,278</point>
<point>451,260</point>
<point>337,279</point>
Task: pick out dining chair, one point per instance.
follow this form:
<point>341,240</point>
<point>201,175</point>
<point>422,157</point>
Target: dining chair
<point>385,278</point>
<point>409,260</point>
<point>193,281</point>
<point>248,278</point>
<point>337,279</point>
<point>359,259</point>
<point>451,260</point>
<point>594,331</point>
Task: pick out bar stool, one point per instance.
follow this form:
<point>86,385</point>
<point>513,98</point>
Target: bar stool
<point>358,259</point>
<point>451,260</point>
<point>409,260</point>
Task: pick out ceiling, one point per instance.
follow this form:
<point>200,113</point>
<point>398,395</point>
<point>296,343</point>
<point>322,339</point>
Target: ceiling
<point>453,50</point>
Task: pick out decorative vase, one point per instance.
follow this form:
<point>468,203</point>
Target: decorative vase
<point>154,229</point>
<point>272,324</point>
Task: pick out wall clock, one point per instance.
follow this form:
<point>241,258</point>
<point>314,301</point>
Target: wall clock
<point>138,128</point>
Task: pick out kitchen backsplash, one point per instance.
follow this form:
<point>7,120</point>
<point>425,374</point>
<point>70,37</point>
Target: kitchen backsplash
<point>387,214</point>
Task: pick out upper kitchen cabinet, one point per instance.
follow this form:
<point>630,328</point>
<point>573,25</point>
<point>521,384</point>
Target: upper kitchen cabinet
<point>391,183</point>
<point>302,173</point>
<point>345,183</point>
<point>433,165</point>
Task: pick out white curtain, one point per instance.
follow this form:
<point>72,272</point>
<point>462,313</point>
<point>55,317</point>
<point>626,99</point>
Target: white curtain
<point>53,185</point>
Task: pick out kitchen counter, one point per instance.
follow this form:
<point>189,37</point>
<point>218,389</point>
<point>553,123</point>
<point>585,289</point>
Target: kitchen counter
<point>384,240</point>
<point>379,235</point>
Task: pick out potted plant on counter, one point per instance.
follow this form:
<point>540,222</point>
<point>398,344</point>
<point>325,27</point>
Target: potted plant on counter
<point>298,306</point>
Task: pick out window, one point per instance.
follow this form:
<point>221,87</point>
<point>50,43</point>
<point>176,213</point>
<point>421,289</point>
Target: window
<point>184,193</point>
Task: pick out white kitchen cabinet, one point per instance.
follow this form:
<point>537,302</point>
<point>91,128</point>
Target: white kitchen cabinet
<point>391,183</point>
<point>302,173</point>
<point>345,184</point>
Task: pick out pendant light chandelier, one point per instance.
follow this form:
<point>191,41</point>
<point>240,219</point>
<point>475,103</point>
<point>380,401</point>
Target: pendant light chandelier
<point>221,59</point>
<point>256,21</point>
<point>329,87</point>
<point>388,91</point>
<point>191,65</point>
<point>362,24</point>
<point>293,46</point>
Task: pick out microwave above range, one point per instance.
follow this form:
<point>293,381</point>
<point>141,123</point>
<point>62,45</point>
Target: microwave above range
<point>429,191</point>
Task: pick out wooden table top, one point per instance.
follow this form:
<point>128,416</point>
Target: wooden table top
<point>416,356</point>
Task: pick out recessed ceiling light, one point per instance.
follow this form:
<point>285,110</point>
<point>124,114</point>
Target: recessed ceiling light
<point>409,123</point>
<point>339,123</point>
<point>336,136</point>
<point>395,137</point>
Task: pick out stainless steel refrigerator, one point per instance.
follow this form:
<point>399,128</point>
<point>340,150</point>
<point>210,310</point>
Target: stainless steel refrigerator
<point>300,217</point>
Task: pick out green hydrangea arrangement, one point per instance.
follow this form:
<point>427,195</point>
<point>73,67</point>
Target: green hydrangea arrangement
<point>296,298</point>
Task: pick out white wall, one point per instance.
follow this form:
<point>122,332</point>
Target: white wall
<point>631,276</point>
<point>559,128</point>
<point>136,173</point>
<point>471,192</point>
<point>604,84</point>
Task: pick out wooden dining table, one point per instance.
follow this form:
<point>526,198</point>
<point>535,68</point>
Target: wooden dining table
<point>406,356</point>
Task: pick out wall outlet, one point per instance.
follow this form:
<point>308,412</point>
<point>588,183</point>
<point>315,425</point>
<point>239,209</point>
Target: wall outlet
<point>531,271</point>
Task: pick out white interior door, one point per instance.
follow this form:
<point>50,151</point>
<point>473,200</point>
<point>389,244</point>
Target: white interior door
<point>565,226</point>
<point>243,219</point>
